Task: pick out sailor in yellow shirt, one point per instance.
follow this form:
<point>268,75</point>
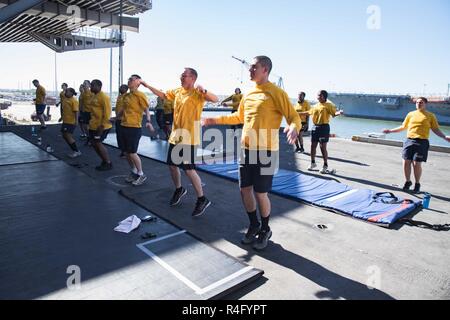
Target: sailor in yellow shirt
<point>168,117</point>
<point>85,108</point>
<point>40,103</point>
<point>118,120</point>
<point>62,96</point>
<point>235,102</point>
<point>302,106</point>
<point>188,102</point>
<point>100,124</point>
<point>135,104</point>
<point>69,116</point>
<point>321,113</point>
<point>415,149</point>
<point>261,112</point>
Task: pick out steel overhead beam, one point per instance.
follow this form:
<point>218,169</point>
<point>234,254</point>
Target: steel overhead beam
<point>14,9</point>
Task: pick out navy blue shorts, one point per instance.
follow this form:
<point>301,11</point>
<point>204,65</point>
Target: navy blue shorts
<point>305,127</point>
<point>69,128</point>
<point>182,156</point>
<point>94,137</point>
<point>256,169</point>
<point>84,117</point>
<point>130,138</point>
<point>168,119</point>
<point>40,108</point>
<point>320,133</point>
<point>416,150</point>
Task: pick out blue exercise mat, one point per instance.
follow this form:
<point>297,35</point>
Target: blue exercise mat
<point>379,208</point>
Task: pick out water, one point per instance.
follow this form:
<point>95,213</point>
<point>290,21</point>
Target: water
<point>345,127</point>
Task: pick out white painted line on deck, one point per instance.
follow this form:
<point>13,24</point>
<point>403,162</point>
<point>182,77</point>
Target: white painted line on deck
<point>179,276</point>
<point>342,195</point>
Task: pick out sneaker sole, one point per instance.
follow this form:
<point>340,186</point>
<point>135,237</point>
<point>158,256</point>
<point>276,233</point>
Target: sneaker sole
<point>179,199</point>
<point>260,249</point>
<point>203,211</point>
<point>140,183</point>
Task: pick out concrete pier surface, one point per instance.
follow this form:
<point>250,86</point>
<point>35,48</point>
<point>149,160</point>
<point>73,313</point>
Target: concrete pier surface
<point>349,259</point>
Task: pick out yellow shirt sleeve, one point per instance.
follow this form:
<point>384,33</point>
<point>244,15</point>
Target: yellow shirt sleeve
<point>170,95</point>
<point>228,99</point>
<point>233,119</point>
<point>434,122</point>
<point>288,111</point>
<point>106,112</point>
<point>406,122</point>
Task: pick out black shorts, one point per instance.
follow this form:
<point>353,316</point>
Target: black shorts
<point>69,128</point>
<point>320,133</point>
<point>93,135</point>
<point>416,150</point>
<point>40,108</point>
<point>130,138</point>
<point>119,136</point>
<point>257,169</point>
<point>84,117</point>
<point>182,156</point>
<point>168,119</point>
<point>305,127</point>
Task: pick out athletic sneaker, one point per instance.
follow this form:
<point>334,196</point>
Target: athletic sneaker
<point>177,195</point>
<point>312,167</point>
<point>298,150</point>
<point>417,188</point>
<point>74,154</point>
<point>139,181</point>
<point>250,236</point>
<point>325,170</point>
<point>263,239</point>
<point>200,207</point>
<point>131,177</point>
<point>104,167</point>
<point>407,186</point>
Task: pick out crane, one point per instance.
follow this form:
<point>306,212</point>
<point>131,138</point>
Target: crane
<point>279,80</point>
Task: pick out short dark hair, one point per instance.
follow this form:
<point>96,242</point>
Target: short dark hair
<point>123,87</point>
<point>35,81</point>
<point>302,94</point>
<point>96,82</point>
<point>64,84</point>
<point>323,93</point>
<point>136,76</point>
<point>265,62</point>
<point>422,98</point>
<point>72,90</point>
<point>193,72</point>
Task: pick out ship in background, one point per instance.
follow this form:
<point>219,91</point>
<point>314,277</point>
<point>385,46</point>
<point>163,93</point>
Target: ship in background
<point>388,107</point>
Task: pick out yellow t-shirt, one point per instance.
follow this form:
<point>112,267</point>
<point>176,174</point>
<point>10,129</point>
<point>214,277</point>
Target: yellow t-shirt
<point>321,113</point>
<point>62,97</point>
<point>302,107</point>
<point>419,124</point>
<point>235,101</point>
<point>168,106</point>
<point>86,102</point>
<point>187,112</point>
<point>100,111</point>
<point>134,105</point>
<point>261,111</point>
<point>69,110</point>
<point>119,104</point>
<point>40,95</point>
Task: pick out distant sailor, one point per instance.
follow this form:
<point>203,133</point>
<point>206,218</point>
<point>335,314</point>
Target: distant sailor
<point>235,100</point>
<point>100,124</point>
<point>302,106</point>
<point>119,108</point>
<point>415,149</point>
<point>320,134</point>
<point>40,103</point>
<point>62,96</point>
<point>85,108</point>
<point>69,116</point>
<point>185,137</point>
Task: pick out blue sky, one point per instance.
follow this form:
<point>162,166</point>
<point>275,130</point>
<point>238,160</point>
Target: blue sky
<point>321,44</point>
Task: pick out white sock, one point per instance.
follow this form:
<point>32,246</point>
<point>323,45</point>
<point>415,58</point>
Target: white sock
<point>134,170</point>
<point>140,173</point>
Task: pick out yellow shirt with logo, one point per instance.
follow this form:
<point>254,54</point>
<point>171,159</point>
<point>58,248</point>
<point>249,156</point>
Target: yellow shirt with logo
<point>119,104</point>
<point>261,111</point>
<point>302,107</point>
<point>187,112</point>
<point>168,106</point>
<point>235,101</point>
<point>86,103</point>
<point>69,110</point>
<point>100,111</point>
<point>321,113</point>
<point>40,95</point>
<point>134,105</point>
<point>419,124</point>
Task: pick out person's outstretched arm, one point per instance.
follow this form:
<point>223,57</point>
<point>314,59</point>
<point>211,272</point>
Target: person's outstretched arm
<point>155,91</point>
<point>440,134</point>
